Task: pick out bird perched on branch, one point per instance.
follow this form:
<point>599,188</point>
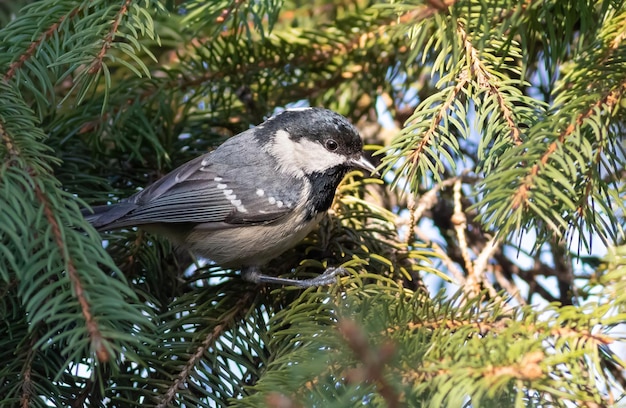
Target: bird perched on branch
<point>254,197</point>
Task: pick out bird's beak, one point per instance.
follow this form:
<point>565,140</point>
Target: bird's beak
<point>364,164</point>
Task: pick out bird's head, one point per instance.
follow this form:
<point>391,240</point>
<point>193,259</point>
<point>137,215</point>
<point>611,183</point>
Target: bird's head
<point>313,141</point>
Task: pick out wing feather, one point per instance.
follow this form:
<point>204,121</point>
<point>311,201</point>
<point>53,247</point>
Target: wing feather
<point>198,198</point>
<point>220,187</point>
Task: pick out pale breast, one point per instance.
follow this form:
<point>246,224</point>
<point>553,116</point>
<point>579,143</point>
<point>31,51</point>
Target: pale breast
<point>234,247</point>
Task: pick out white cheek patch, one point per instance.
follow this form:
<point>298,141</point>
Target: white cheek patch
<point>302,157</point>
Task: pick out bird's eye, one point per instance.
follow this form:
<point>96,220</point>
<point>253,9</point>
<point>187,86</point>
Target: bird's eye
<point>331,145</point>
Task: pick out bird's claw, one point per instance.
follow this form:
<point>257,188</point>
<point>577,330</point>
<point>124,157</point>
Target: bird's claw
<point>328,277</point>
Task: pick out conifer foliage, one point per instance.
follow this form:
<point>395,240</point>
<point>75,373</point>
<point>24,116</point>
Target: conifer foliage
<point>498,128</point>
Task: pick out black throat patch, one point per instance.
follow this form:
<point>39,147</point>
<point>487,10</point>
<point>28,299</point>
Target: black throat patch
<point>323,186</point>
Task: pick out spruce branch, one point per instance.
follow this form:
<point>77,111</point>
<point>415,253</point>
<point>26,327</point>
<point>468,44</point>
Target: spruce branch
<point>45,35</point>
<point>431,133</point>
<point>486,80</point>
<point>225,322</point>
<point>606,103</point>
<point>96,339</point>
<point>95,335</point>
<point>96,65</point>
<point>155,89</point>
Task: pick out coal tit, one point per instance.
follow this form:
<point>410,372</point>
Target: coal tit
<point>254,197</point>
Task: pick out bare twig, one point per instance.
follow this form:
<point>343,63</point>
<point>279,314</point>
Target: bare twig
<point>459,220</point>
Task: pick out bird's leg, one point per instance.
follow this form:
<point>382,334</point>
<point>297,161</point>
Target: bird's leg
<point>252,274</point>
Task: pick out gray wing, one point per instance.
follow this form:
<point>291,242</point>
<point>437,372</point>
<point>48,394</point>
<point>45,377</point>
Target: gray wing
<point>219,187</point>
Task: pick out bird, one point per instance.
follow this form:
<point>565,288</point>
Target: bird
<point>252,198</point>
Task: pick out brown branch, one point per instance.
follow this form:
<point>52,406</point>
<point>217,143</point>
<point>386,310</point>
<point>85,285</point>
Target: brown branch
<point>373,361</point>
<point>224,324</point>
<point>459,220</point>
<point>8,142</point>
<point>27,383</point>
<point>96,64</point>
<point>426,202</point>
<point>32,48</point>
<point>96,339</point>
<point>527,369</point>
<point>508,269</point>
<point>508,285</point>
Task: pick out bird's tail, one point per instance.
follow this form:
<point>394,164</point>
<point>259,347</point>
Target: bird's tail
<point>106,217</point>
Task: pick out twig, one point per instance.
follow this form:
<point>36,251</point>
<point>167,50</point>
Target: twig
<point>459,220</point>
<point>481,263</point>
<point>528,369</point>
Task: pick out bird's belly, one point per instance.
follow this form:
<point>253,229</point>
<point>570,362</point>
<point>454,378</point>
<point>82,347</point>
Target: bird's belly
<point>233,247</point>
